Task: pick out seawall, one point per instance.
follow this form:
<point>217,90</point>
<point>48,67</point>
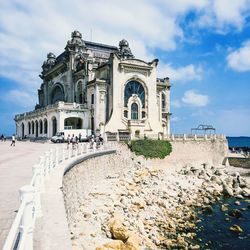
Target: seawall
<point>195,153</point>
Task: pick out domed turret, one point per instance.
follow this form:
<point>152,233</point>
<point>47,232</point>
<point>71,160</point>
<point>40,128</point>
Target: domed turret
<point>123,43</point>
<point>124,50</point>
<point>51,55</point>
<point>76,43</point>
<point>76,34</point>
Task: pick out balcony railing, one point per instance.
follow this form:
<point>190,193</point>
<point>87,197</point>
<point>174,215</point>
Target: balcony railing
<point>60,105</point>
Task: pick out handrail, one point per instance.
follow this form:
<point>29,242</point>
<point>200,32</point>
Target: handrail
<point>30,207</point>
<point>14,227</point>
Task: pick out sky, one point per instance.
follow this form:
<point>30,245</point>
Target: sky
<point>203,47</point>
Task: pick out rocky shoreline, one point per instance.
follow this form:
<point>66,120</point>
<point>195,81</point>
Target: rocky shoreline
<point>145,207</point>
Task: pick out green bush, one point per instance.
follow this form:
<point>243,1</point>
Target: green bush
<point>151,148</point>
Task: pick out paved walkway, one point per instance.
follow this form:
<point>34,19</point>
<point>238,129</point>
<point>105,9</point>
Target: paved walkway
<point>15,171</point>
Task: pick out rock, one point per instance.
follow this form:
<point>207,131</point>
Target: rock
<point>246,192</point>
<point>237,203</point>
<point>117,229</point>
<point>87,215</point>
<point>207,210</point>
<point>194,247</point>
<point>218,172</point>
<point>115,244</point>
<point>139,202</point>
<point>235,213</point>
<point>224,207</point>
<point>235,228</point>
<point>227,191</point>
<point>133,242</point>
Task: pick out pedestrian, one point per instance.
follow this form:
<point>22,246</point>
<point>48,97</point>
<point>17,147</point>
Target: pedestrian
<point>97,141</point>
<point>2,137</point>
<point>92,140</point>
<point>68,141</point>
<point>101,139</point>
<point>73,140</point>
<point>80,137</point>
<point>13,141</point>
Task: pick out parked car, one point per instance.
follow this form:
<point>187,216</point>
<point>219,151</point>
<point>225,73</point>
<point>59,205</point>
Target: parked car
<point>85,139</point>
<point>58,138</point>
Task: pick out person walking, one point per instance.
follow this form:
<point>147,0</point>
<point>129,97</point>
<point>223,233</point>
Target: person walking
<point>68,141</point>
<point>13,141</point>
<point>73,140</point>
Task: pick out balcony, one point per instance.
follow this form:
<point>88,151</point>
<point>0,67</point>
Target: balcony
<point>58,105</point>
<point>136,123</point>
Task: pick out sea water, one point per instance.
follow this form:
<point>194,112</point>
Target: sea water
<point>241,141</point>
<point>213,229</point>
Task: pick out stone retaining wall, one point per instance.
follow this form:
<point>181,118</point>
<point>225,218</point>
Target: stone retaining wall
<point>196,153</point>
<point>82,179</point>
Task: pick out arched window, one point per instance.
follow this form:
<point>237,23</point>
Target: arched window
<point>163,100</point>
<point>54,126</point>
<point>134,87</point>
<point>29,128</point>
<point>134,111</point>
<point>80,93</point>
<point>33,127</point>
<point>45,126</point>
<point>22,130</point>
<point>40,127</point>
<point>57,94</point>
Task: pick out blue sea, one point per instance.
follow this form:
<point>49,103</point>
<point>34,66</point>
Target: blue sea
<point>241,141</point>
<point>213,230</point>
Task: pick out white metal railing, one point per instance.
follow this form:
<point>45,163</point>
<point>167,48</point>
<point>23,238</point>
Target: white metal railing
<point>21,232</point>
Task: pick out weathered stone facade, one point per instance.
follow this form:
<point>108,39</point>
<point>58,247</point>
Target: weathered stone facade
<point>98,87</point>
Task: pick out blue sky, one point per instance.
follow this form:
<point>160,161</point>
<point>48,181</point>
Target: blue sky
<point>202,45</point>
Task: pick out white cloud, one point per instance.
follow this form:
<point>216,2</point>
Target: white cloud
<point>239,59</point>
<point>31,29</point>
<point>223,14</point>
<point>193,98</point>
<point>176,104</point>
<point>20,98</point>
<point>183,74</point>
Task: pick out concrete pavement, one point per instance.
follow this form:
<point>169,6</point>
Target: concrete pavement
<point>15,171</point>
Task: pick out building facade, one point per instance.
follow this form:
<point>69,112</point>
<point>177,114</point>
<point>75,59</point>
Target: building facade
<point>99,87</point>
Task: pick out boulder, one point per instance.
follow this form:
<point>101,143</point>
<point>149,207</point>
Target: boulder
<point>115,244</point>
<point>235,228</point>
<point>133,242</point>
<point>207,210</point>
<point>224,207</point>
<point>236,213</point>
<point>117,229</point>
<point>227,191</point>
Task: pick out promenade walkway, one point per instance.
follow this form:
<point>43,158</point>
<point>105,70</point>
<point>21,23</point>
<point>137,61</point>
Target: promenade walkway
<point>15,171</point>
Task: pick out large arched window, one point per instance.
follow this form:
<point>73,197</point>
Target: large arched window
<point>80,93</point>
<point>57,94</point>
<point>134,87</point>
<point>134,111</point>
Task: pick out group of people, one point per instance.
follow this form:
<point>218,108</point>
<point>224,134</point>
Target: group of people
<point>74,140</point>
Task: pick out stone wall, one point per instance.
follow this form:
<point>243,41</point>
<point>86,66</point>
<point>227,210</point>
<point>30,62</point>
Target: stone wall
<point>82,179</point>
<point>196,153</point>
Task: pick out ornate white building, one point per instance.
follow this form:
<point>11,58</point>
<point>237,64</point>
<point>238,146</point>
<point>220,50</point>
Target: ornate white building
<point>98,87</point>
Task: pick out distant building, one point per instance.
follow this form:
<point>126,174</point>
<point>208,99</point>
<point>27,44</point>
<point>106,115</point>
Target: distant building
<point>98,87</point>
